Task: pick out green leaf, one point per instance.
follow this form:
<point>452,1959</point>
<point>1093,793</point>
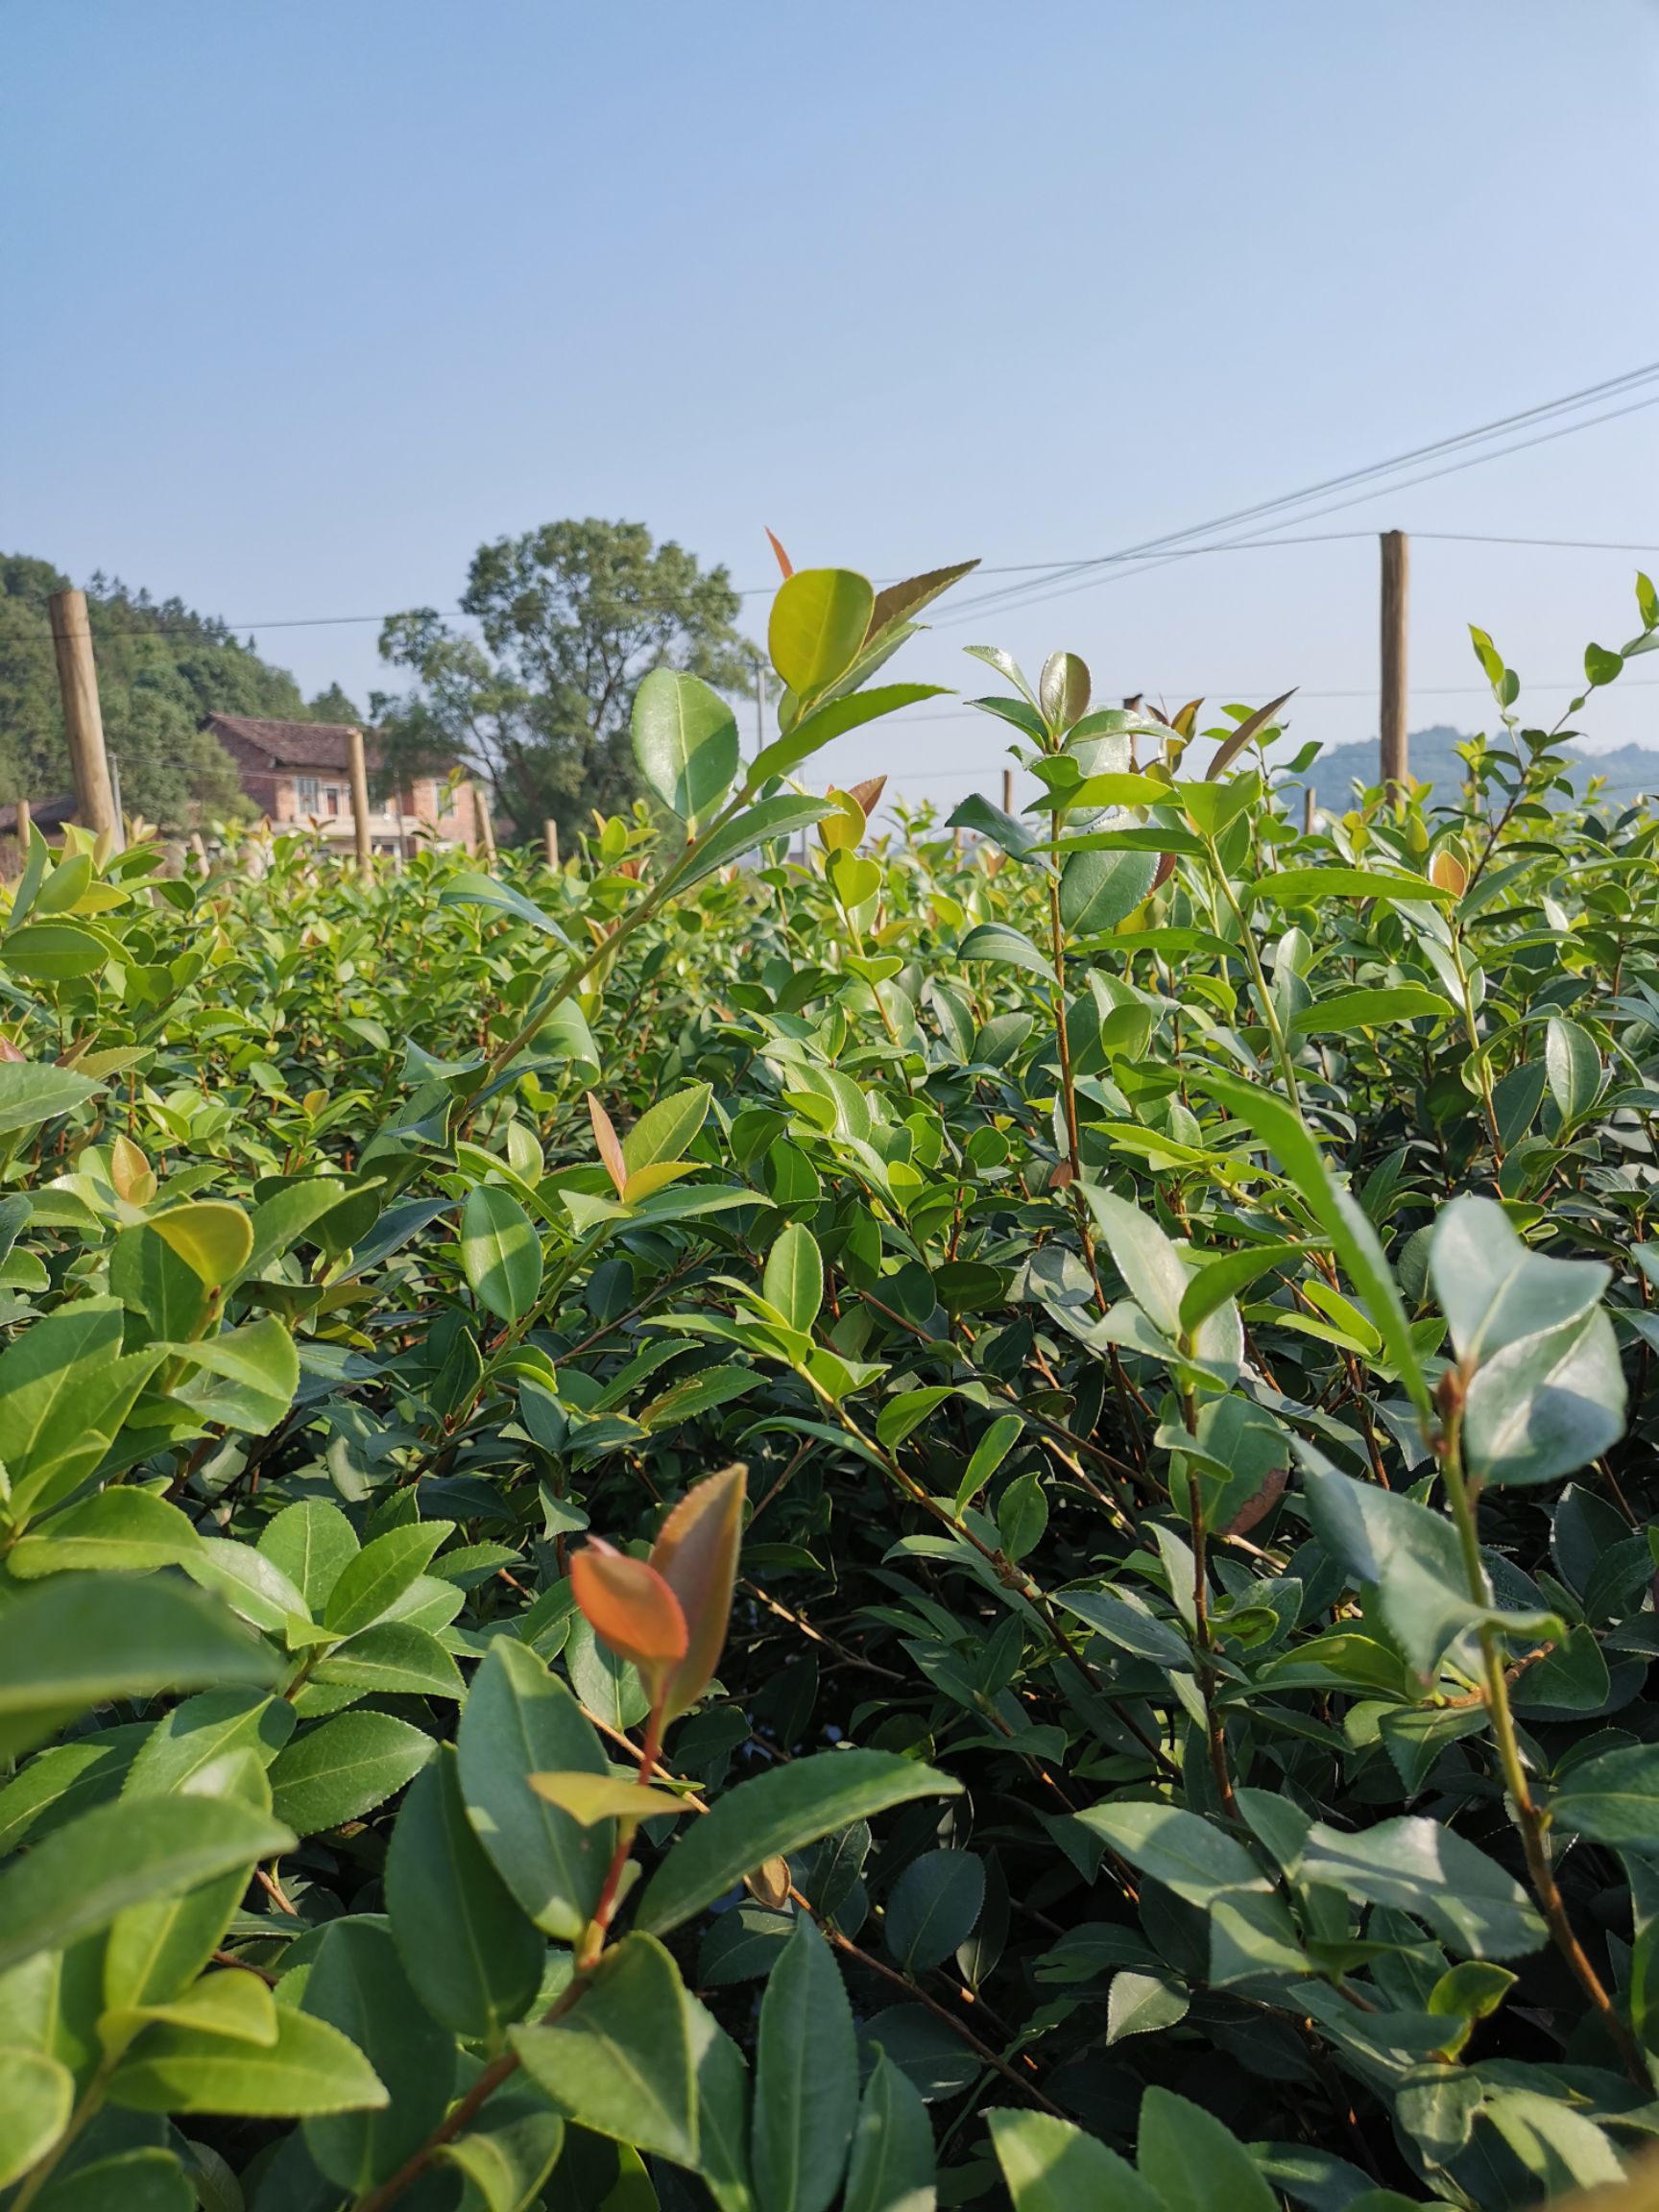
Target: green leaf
<point>1051,2166</point>
<point>118,1855</point>
<point>470,889</point>
<point>1613,1799</point>
<point>310,2068</point>
<point>473,1957</point>
<point>684,742</point>
<point>779,817</point>
<point>1493,1290</point>
<point>34,2111</point>
<point>510,2149</point>
<point>373,1580</point>
<point>771,1816</point>
<point>210,1236</point>
<point>1212,1285</point>
<point>1573,1067</point>
<point>186,1744</point>
<point>394,1658</point>
<point>1022,1515</point>
<point>518,1721</point>
<point>1420,1866</point>
<point>1311,886</point>
<point>1180,1849</point>
<point>29,1094</point>
<point>1143,2004</point>
<point>501,1252</point>
<point>147,2180</point>
<point>1193,2162</point>
<point>833,719</point>
<point>620,2060</point>
<point>794,1278</point>
<point>1407,1556</point>
<point>805,2079</point>
<point>819,621</point>
<point>667,1130</point>
<point>116,1531</point>
<point>257,1372</point>
<point>344,1767</point>
<point>722,2110</point>
<point>80,1642</point>
<point>1148,1263</point>
<point>358,1988</point>
<point>1547,1405</point>
<point>892,2167</point>
<point>54,951</point>
<point>1282,1129</point>
<point>311,1543</point>
<point>1098,890</point>
<point>933,1907</point>
<point>1345,1013</point>
<point>64,1392</point>
<point>998,941</point>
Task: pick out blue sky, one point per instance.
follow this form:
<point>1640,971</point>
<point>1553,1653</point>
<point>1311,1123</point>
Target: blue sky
<point>305,300</point>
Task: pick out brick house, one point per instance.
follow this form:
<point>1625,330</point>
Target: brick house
<point>297,772</point>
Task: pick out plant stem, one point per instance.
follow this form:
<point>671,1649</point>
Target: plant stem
<point>1531,1820</point>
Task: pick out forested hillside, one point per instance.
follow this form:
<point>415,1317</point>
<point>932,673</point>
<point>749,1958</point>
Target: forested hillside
<point>161,668</point>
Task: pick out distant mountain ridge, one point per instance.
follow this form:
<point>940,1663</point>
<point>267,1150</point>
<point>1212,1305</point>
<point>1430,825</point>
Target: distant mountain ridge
<point>1630,772</point>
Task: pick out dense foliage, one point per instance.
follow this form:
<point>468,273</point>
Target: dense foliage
<point>1181,1290</point>
<point>161,668</point>
<point>569,618</point>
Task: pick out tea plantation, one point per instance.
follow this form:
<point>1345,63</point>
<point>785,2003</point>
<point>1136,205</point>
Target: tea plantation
<point>966,1523</point>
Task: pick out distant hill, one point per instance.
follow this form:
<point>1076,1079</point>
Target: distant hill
<point>161,668</point>
<point>1629,773</point>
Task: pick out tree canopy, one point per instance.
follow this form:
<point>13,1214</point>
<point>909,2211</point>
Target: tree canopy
<point>571,617</point>
<point>161,668</point>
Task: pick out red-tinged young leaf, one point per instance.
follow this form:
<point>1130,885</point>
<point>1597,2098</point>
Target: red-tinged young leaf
<point>784,561</point>
<point>633,1612</point>
<point>609,1143</point>
<point>696,1554</point>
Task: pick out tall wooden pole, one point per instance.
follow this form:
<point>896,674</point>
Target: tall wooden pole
<point>25,826</point>
<point>483,827</point>
<point>1007,790</point>
<point>550,835</point>
<point>1393,765</point>
<point>359,772</point>
<point>1310,807</point>
<point>83,720</point>
<point>759,711</point>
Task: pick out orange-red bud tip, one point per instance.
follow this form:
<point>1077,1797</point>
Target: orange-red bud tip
<point>632,1611</point>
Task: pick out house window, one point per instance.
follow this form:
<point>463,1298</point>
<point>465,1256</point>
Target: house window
<point>306,794</point>
<point>333,797</point>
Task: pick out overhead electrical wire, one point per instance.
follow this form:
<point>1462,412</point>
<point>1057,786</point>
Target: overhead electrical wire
<point>1378,476</point>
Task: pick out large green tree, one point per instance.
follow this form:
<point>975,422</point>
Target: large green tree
<point>161,669</point>
<point>571,617</point>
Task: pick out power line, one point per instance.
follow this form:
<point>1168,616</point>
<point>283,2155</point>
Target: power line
<point>1377,477</point>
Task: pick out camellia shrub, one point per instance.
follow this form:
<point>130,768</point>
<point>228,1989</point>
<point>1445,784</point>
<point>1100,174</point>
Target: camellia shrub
<point>966,1522</point>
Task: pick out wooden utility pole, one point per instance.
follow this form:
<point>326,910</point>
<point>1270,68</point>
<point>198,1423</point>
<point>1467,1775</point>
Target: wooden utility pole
<point>359,772</point>
<point>25,826</point>
<point>759,711</point>
<point>83,720</point>
<point>1310,804</point>
<point>484,828</point>
<point>1007,790</point>
<point>1394,766</point>
<point>551,833</point>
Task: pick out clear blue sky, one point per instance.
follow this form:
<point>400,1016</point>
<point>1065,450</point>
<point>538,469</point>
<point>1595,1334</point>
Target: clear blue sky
<point>305,300</point>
